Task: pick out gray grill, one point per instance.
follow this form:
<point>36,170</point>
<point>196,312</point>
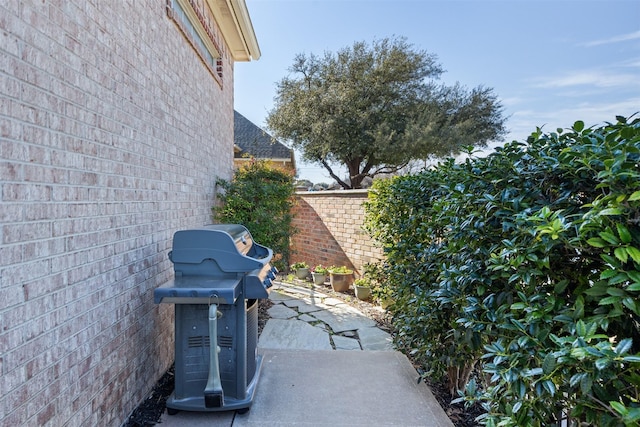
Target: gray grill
<point>220,276</point>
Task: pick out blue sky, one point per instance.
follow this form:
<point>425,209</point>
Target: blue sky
<point>550,62</point>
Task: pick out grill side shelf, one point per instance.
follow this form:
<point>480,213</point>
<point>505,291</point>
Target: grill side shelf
<point>198,290</point>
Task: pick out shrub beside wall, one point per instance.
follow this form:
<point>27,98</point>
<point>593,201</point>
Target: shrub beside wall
<point>525,263</point>
<point>260,197</point>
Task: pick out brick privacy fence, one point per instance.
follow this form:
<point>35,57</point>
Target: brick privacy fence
<point>329,230</point>
<point>112,133</point>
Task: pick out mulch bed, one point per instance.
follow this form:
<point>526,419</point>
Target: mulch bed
<point>148,413</point>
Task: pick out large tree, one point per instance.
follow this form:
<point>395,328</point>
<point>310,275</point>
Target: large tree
<point>374,108</point>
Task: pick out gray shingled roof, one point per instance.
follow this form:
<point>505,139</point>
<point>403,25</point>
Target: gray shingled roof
<point>255,142</point>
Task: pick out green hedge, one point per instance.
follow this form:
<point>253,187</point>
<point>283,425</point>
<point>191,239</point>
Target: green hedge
<point>525,265</point>
<point>260,198</point>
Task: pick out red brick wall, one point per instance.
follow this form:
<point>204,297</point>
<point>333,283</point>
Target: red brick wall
<point>329,229</point>
<point>112,133</point>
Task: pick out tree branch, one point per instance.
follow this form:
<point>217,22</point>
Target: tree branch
<point>333,175</point>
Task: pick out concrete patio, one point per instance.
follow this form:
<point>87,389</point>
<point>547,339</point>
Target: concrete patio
<point>327,364</point>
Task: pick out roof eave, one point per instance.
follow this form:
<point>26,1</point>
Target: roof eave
<point>237,29</point>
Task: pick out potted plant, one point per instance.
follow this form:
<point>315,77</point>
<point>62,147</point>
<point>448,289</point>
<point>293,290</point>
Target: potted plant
<point>319,274</point>
<point>362,288</point>
<point>340,278</point>
<point>300,269</point>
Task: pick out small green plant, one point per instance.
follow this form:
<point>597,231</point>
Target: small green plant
<point>340,270</point>
<point>320,269</point>
<point>300,264</point>
<point>363,282</point>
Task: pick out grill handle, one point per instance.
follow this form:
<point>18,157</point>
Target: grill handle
<point>213,394</point>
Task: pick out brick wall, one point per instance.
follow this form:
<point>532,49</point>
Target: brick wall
<point>112,133</point>
<point>329,230</point>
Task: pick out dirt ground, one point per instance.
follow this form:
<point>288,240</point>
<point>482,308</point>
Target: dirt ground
<point>148,413</point>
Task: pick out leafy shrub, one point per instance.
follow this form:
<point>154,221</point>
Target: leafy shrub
<point>260,198</point>
<point>527,263</point>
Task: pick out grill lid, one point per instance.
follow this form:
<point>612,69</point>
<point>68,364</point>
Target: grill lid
<point>229,245</point>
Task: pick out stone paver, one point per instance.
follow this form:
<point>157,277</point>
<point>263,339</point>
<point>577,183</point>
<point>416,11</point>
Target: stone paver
<point>344,343</point>
<point>330,301</point>
<point>279,311</point>
<point>373,338</point>
<point>307,318</point>
<point>343,319</point>
<point>313,315</point>
<point>293,334</point>
<point>277,296</point>
<point>303,306</point>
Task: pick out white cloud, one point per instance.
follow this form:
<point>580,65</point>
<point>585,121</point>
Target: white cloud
<point>512,100</point>
<point>523,122</point>
<point>617,39</point>
<point>594,78</point>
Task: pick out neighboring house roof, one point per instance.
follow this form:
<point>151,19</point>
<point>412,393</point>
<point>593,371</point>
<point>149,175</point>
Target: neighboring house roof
<point>252,141</point>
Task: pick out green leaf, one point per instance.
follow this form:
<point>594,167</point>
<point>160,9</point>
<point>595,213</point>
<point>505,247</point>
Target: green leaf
<point>616,292</point>
<point>597,289</point>
<point>560,286</point>
<point>518,325</point>
<point>609,300</point>
<point>532,372</point>
<point>634,275</point>
<point>581,328</point>
<point>607,274</point>
<point>634,253</point>
<point>619,408</point>
<point>597,242</point>
<point>621,254</point>
<point>618,278</point>
<point>578,126</point>
<point>633,415</point>
<point>611,211</point>
<point>624,346</point>
<point>516,407</point>
<point>549,364</point>
<point>576,378</point>
<point>611,260</point>
<point>631,304</point>
<point>579,307</point>
<point>634,196</point>
<point>623,232</point>
<point>549,386</point>
<point>609,237</point>
<point>601,363</point>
